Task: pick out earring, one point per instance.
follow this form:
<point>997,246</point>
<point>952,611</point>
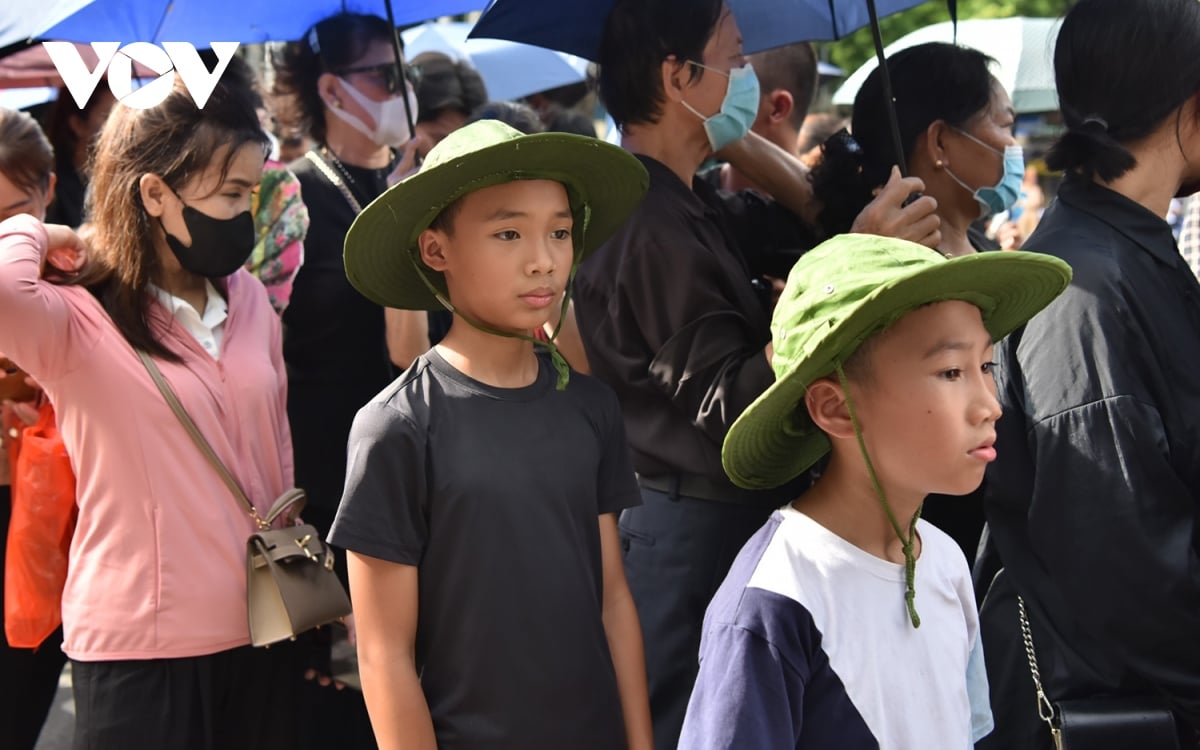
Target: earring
<point>335,104</point>
<point>939,164</point>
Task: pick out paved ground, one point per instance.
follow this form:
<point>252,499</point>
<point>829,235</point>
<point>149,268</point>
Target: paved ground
<point>60,724</point>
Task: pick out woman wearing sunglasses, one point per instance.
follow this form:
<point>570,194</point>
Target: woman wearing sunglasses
<point>340,84</point>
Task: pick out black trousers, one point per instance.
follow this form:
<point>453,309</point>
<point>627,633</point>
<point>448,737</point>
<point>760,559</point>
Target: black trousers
<point>677,551</point>
<point>28,677</point>
<point>241,699</point>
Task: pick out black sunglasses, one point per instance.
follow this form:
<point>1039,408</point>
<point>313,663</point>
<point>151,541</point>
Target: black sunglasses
<point>388,73</point>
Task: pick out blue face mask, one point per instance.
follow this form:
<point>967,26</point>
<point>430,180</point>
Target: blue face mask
<point>738,109</point>
<point>1003,195</point>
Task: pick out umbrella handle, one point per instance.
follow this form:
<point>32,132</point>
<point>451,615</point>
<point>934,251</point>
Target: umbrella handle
<point>893,121</point>
<point>397,50</point>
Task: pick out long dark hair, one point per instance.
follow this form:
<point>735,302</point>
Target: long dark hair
<point>930,82</point>
<point>332,44</point>
<point>1122,67</point>
<point>176,141</point>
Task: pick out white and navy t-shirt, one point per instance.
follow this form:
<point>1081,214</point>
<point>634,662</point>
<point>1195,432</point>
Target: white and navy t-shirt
<point>808,644</point>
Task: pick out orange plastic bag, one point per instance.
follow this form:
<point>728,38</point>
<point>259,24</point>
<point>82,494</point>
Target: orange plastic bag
<point>39,534</point>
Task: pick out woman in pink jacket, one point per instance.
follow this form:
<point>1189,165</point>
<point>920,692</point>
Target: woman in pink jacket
<point>154,611</point>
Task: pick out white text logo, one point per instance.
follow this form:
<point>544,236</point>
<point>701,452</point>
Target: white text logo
<point>118,61</point>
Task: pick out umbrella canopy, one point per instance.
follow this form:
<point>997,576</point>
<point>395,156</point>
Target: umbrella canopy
<point>1022,47</point>
<point>201,22</point>
<point>510,70</point>
<point>576,26</point>
<point>21,20</point>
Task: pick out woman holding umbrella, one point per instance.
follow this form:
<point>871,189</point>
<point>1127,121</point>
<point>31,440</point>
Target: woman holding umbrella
<point>956,124</point>
<point>346,90</point>
<point>671,318</point>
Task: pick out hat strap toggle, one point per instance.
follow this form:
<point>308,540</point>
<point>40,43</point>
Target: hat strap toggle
<point>906,540</point>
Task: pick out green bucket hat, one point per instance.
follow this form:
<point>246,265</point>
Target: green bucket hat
<point>604,184</point>
<point>839,294</point>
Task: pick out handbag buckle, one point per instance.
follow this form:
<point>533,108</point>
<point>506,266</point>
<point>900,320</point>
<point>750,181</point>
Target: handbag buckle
<point>302,543</point>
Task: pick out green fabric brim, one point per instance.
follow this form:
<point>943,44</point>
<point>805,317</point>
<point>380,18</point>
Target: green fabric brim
<point>381,252</point>
<point>775,440</point>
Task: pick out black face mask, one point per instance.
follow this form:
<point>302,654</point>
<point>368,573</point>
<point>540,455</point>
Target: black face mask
<point>219,246</point>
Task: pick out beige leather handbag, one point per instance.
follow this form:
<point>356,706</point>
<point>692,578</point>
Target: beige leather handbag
<point>290,583</point>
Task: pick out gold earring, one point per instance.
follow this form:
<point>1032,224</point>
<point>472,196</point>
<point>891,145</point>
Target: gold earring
<point>335,104</point>
<point>938,164</point>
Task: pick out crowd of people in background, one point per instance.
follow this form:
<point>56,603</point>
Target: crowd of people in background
<point>221,243</point>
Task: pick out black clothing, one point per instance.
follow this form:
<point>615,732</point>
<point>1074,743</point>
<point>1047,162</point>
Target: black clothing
<point>30,676</point>
<point>334,340</point>
<point>671,321</point>
<point>240,698</point>
<point>1092,503</point>
<point>69,193</point>
<point>495,495</point>
<point>770,237</point>
<point>677,551</point>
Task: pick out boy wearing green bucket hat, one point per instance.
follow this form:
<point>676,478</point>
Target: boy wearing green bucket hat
<point>820,636</point>
<point>483,485</point>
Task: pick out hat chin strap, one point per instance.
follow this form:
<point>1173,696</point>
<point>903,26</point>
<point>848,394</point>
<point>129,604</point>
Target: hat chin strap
<point>561,367</point>
<point>906,540</point>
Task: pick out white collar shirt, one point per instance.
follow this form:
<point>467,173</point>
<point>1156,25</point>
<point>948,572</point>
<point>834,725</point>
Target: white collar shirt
<point>208,328</point>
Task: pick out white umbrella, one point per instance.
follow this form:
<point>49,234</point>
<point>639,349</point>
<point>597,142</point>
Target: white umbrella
<point>1023,49</point>
<point>510,70</point>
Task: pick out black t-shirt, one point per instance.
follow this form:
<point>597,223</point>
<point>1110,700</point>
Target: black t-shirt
<point>495,495</point>
<point>334,341</point>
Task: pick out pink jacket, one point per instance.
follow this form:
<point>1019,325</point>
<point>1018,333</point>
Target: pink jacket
<point>157,564</point>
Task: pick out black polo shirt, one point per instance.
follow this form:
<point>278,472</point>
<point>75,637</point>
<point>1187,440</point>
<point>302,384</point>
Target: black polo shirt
<point>671,322</point>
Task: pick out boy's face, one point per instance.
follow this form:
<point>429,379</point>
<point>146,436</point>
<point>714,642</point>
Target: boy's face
<point>507,253</point>
<point>927,403</point>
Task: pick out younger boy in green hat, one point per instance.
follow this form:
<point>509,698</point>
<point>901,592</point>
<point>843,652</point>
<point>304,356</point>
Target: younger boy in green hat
<point>883,358</point>
<point>483,485</point>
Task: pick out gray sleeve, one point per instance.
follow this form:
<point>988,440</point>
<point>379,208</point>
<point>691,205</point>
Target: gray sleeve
<point>383,513</point>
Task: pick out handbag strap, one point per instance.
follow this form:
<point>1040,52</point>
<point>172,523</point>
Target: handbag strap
<point>1045,707</point>
<point>198,438</point>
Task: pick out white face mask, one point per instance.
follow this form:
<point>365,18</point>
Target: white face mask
<point>391,120</point>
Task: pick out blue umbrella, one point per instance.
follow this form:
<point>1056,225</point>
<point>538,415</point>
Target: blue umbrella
<point>576,26</point>
<point>202,22</point>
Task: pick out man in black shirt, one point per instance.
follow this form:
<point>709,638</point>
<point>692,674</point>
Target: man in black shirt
<point>672,323</point>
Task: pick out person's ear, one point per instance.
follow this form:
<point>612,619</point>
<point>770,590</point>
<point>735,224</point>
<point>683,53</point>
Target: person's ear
<point>826,404</point>
<point>154,193</point>
<point>782,105</point>
<point>328,90</point>
<point>433,249</point>
<point>934,144</point>
<point>675,78</point>
<point>50,185</point>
